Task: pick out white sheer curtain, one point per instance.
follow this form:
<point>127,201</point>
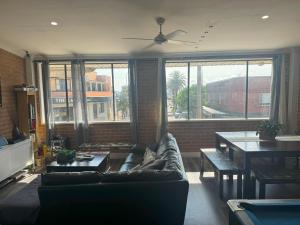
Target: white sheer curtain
<point>49,118</point>
<point>79,101</point>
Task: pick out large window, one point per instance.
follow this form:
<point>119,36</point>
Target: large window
<point>218,89</point>
<point>61,97</point>
<point>107,91</point>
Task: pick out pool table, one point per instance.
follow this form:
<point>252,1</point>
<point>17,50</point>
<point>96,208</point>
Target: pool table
<point>264,212</point>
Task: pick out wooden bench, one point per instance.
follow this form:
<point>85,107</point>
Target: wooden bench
<point>222,165</point>
<point>274,175</point>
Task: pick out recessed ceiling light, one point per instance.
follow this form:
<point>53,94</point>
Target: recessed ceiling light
<point>54,23</point>
<point>265,17</point>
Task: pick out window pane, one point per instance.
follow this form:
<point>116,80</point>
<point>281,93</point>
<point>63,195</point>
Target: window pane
<point>217,89</point>
<point>99,73</point>
<point>121,92</point>
<point>259,88</point>
<point>177,78</point>
<point>62,109</point>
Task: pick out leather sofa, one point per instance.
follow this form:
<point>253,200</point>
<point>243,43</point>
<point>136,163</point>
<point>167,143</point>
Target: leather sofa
<point>129,196</point>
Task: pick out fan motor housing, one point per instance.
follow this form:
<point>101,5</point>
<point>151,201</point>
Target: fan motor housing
<point>159,39</point>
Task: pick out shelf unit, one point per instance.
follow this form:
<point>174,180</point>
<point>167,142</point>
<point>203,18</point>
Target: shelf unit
<point>26,106</point>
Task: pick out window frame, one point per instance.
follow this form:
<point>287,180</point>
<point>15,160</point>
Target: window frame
<point>68,88</point>
<point>114,107</point>
<point>247,60</point>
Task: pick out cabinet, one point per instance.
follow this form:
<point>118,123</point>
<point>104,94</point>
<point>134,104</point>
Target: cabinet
<point>15,157</point>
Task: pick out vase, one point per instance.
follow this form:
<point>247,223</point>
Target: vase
<point>266,136</point>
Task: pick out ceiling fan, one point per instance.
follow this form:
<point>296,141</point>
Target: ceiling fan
<point>162,39</point>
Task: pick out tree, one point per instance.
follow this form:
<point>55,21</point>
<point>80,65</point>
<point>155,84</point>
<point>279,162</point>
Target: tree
<point>122,101</point>
<point>175,83</point>
<point>182,99</point>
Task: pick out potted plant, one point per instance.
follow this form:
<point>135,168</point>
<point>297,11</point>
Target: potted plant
<point>65,156</point>
<point>267,130</point>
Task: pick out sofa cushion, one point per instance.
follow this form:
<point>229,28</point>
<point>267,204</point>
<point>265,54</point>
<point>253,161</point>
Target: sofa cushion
<point>67,178</point>
<point>141,175</point>
<point>127,166</point>
<point>131,161</point>
<point>137,149</point>
<point>149,156</point>
<point>173,161</point>
<point>134,158</point>
<point>168,142</point>
<point>157,164</point>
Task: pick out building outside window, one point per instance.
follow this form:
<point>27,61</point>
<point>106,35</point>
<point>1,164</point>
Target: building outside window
<point>61,97</point>
<point>101,108</point>
<point>60,85</point>
<point>108,99</point>
<point>106,94</point>
<point>218,89</point>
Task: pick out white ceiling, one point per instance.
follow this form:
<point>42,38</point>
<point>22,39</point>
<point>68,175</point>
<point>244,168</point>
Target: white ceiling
<point>96,26</point>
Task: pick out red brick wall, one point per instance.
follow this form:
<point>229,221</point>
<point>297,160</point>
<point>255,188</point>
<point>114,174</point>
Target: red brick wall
<point>191,135</point>
<point>147,94</point>
<point>12,72</point>
<point>110,132</point>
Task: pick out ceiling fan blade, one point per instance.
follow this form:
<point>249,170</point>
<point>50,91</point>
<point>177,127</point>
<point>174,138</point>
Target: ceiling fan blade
<point>140,39</point>
<point>149,46</point>
<point>175,33</point>
<point>172,41</point>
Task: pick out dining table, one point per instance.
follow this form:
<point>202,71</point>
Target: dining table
<point>248,144</point>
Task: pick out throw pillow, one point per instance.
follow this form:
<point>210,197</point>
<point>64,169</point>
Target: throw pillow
<point>149,156</point>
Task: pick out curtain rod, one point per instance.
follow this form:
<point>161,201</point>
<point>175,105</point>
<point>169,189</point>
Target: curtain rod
<point>166,56</point>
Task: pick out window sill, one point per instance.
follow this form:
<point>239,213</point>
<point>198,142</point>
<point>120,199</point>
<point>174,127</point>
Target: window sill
<point>92,123</point>
<point>109,122</point>
<point>215,120</point>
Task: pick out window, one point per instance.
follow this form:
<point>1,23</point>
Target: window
<point>101,108</point>
<point>61,97</point>
<point>218,89</point>
<point>265,99</point>
<point>60,85</point>
<point>93,86</point>
<point>107,99</point>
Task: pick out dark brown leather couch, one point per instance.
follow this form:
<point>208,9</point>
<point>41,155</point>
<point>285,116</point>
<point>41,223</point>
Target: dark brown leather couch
<point>128,196</point>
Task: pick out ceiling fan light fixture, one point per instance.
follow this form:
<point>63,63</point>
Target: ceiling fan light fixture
<point>54,23</point>
<point>265,17</point>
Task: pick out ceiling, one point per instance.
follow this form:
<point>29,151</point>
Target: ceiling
<point>97,26</point>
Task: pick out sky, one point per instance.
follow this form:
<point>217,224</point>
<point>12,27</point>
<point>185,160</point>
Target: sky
<point>221,72</point>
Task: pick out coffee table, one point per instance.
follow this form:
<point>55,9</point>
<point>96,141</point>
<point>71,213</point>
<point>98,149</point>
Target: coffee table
<point>99,163</point>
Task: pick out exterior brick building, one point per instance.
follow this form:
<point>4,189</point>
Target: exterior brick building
<point>228,96</point>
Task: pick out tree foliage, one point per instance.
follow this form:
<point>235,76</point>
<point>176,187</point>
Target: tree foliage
<point>122,101</point>
<point>182,99</point>
<point>176,82</point>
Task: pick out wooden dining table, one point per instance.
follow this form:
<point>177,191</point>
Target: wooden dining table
<point>250,146</point>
